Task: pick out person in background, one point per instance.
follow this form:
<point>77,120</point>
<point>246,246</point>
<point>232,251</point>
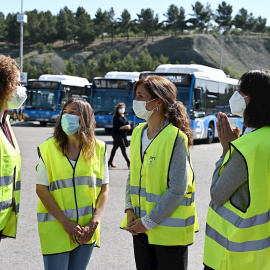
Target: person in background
<point>119,133</point>
<point>72,186</point>
<point>238,220</point>
<point>160,205</point>
<point>12,96</point>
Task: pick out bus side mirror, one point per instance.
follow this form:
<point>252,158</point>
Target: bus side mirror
<point>197,94</point>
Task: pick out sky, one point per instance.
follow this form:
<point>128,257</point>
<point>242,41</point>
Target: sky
<point>258,7</point>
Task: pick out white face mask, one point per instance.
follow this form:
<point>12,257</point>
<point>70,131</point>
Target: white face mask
<point>121,110</point>
<point>140,110</point>
<point>237,104</point>
<point>18,99</point>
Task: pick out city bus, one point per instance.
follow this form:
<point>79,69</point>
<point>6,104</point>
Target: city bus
<point>47,95</point>
<point>204,91</point>
<point>107,92</point>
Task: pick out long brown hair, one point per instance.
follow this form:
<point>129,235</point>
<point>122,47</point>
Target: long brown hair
<point>119,105</point>
<point>8,78</point>
<point>86,131</point>
<point>256,85</point>
<point>174,111</point>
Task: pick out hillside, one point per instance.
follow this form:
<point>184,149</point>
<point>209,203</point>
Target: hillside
<point>240,53</point>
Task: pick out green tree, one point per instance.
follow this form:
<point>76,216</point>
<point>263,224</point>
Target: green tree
<point>31,70</point>
<point>92,69</point>
<point>128,64</point>
<point>32,27</point>
<point>181,20</point>
<point>201,16</point>
<point>104,64</point>
<point>223,15</point>
<point>81,71</point>
<point>85,32</point>
<point>148,22</point>
<point>125,23</point>
<point>101,21</point>
<point>41,47</point>
<point>47,27</point>
<point>13,28</point>
<point>243,20</point>
<point>172,18</point>
<point>70,67</point>
<point>3,27</point>
<point>115,59</point>
<point>145,61</point>
<point>66,25</point>
<point>260,25</point>
<point>112,23</point>
<point>46,67</point>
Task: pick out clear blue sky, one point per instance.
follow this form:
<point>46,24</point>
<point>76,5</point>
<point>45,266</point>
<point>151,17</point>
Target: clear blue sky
<point>257,7</point>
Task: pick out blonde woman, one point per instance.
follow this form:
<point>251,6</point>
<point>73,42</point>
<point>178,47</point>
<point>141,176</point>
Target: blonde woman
<point>72,185</point>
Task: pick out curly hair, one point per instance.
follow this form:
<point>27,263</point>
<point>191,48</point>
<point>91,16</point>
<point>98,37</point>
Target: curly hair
<point>256,85</point>
<point>86,131</point>
<point>8,78</point>
<point>175,111</point>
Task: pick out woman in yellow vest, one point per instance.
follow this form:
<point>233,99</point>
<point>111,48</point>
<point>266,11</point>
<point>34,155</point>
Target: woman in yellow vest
<point>12,96</point>
<point>72,185</point>
<point>160,204</point>
<point>238,220</point>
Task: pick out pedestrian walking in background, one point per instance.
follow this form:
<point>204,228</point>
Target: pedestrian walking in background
<point>119,133</point>
<point>160,206</point>
<point>72,185</point>
<point>238,221</point>
<point>12,96</point>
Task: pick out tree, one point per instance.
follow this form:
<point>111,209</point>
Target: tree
<point>172,18</point>
<point>243,20</point>
<point>128,64</point>
<point>82,70</point>
<point>66,25</point>
<point>111,23</point>
<point>31,70</point>
<point>70,67</point>
<point>223,16</point>
<point>47,27</point>
<point>202,16</point>
<point>101,20</point>
<point>125,23</point>
<point>145,61</point>
<point>13,28</point>
<point>85,32</point>
<point>181,20</point>
<point>3,27</point>
<point>32,28</point>
<point>260,25</point>
<point>46,67</point>
<point>148,22</point>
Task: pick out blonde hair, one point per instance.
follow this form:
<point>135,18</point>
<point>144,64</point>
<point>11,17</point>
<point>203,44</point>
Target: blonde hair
<point>86,131</point>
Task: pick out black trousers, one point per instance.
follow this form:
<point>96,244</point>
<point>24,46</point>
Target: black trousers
<point>154,257</point>
<point>119,142</point>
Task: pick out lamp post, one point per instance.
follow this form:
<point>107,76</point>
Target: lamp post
<point>21,18</point>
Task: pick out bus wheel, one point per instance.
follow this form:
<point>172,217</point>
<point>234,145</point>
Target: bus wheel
<point>210,133</point>
<point>43,123</point>
<point>108,130</point>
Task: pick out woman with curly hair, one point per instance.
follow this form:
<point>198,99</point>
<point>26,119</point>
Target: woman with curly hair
<point>72,185</point>
<point>160,207</point>
<point>12,96</point>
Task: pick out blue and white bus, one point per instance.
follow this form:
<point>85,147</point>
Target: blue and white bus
<point>107,92</point>
<point>47,95</point>
<point>204,91</point>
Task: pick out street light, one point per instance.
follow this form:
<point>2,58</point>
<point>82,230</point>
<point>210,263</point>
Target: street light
<point>21,18</point>
<point>223,29</point>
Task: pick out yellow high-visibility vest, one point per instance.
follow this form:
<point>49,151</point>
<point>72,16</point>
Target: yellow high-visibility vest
<point>149,181</point>
<point>10,183</point>
<point>236,239</point>
<point>75,191</point>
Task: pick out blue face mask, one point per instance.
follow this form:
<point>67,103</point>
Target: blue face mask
<point>70,123</point>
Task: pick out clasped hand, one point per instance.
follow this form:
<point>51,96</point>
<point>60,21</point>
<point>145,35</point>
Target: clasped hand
<point>134,224</point>
<point>226,133</point>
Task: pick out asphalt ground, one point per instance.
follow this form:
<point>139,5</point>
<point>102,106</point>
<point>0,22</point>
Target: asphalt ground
<point>116,250</point>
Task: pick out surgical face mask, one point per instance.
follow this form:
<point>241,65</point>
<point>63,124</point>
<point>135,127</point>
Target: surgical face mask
<point>140,110</point>
<point>70,123</point>
<point>121,110</point>
<point>237,104</point>
<point>18,99</point>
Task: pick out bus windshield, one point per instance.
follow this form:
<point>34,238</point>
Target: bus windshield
<point>183,94</point>
<point>104,100</point>
<point>42,99</point>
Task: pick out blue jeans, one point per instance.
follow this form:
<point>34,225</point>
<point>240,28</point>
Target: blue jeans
<point>77,259</point>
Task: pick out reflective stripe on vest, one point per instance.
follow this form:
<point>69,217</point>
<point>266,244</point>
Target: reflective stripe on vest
<point>6,180</point>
